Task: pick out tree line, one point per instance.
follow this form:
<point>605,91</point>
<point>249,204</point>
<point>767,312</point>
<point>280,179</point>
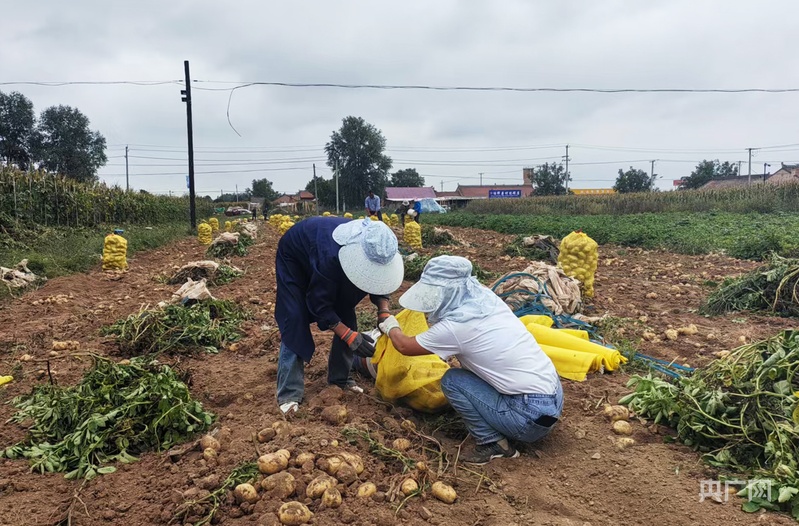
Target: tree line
<point>59,140</point>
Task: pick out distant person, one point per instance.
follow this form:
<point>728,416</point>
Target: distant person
<point>254,213</point>
<point>416,211</point>
<point>402,211</point>
<point>372,204</point>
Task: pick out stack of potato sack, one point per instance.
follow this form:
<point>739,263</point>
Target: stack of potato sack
<point>204,233</point>
<point>115,252</point>
<point>413,235</point>
<point>214,222</point>
<point>285,225</point>
<point>394,220</point>
<point>348,215</point>
<point>578,257</point>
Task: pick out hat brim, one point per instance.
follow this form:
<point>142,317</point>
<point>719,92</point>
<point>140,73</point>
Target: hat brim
<point>421,298</point>
<point>368,276</point>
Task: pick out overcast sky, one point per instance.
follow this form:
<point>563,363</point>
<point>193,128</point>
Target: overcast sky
<point>448,136</point>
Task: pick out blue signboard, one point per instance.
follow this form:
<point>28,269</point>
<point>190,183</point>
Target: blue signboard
<point>503,194</point>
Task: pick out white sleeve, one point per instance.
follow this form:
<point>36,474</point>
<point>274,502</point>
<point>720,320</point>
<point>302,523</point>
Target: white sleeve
<point>440,339</point>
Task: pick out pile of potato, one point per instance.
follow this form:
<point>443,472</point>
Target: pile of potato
<point>619,416</point>
<point>578,257</point>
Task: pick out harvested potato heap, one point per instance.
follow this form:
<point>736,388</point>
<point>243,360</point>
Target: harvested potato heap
<point>285,226</point>
<point>115,250</point>
<point>578,257</point>
<point>214,222</point>
<point>204,233</point>
<point>413,235</point>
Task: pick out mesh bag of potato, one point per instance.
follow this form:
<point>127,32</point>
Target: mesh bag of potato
<point>578,257</point>
<point>115,251</point>
<point>214,222</point>
<point>414,380</point>
<point>204,234</point>
<point>413,235</point>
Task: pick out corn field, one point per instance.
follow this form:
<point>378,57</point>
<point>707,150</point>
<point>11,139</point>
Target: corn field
<point>50,200</point>
<point>762,198</point>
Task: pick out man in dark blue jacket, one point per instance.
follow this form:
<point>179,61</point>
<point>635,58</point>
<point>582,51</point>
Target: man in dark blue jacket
<point>324,267</point>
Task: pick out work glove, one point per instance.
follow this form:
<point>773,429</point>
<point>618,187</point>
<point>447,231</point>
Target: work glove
<point>389,323</point>
<point>361,344</point>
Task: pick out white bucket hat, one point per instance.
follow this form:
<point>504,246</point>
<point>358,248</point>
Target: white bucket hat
<point>405,203</point>
<point>369,256</point>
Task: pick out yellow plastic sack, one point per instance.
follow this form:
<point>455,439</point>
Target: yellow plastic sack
<point>578,257</point>
<point>413,235</point>
<point>214,222</point>
<point>414,380</point>
<point>115,252</point>
<point>204,233</point>
<point>6,379</point>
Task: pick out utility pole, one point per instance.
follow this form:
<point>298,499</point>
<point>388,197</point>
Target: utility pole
<point>337,210</point>
<point>237,193</point>
<point>750,164</point>
<point>187,99</point>
<point>127,175</point>
<point>765,165</point>
<point>739,167</point>
<point>481,178</point>
<point>442,185</point>
<point>652,169</point>
<point>315,189</point>
<point>567,159</point>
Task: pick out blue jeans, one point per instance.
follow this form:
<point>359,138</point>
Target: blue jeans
<point>291,371</point>
<point>491,415</point>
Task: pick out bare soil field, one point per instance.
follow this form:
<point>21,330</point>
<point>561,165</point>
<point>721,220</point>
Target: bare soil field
<point>574,477</point>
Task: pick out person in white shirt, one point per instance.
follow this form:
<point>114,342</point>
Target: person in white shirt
<point>506,388</point>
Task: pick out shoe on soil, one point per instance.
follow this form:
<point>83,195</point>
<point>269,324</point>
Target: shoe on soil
<point>355,388</point>
<point>289,407</point>
<point>482,454</point>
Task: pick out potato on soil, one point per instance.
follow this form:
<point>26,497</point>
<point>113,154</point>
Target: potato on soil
<point>421,466</point>
<point>623,443</point>
<point>208,441</point>
<point>209,454</point>
<point>622,427</point>
<point>346,474</point>
<point>330,465</point>
<point>245,493</point>
<point>272,463</point>
<point>409,486</point>
<point>408,425</point>
<point>280,485</point>
<point>302,458</point>
<point>319,485</point>
<point>616,412</point>
<point>331,498</point>
<point>294,514</point>
<point>265,435</point>
<point>401,444</point>
<point>335,415</point>
<point>366,490</point>
<point>443,492</point>
<point>353,460</point>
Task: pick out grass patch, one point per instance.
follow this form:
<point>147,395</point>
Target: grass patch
<point>749,236</point>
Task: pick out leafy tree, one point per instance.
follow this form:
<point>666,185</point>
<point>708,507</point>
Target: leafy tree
<point>16,129</point>
<point>407,177</point>
<point>263,188</point>
<point>707,171</point>
<point>357,149</point>
<point>324,190</point>
<point>634,180</point>
<point>63,143</point>
<point>234,198</point>
<point>550,179</point>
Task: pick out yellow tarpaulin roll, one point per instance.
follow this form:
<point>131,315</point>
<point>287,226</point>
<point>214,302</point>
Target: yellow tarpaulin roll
<point>546,321</point>
<point>573,365</point>
<point>415,380</point>
<point>573,354</point>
